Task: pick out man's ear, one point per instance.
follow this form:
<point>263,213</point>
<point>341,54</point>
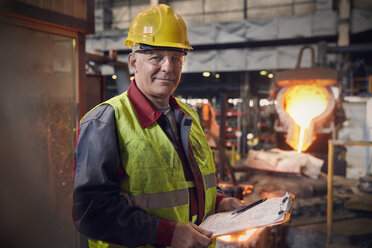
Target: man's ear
<point>132,59</point>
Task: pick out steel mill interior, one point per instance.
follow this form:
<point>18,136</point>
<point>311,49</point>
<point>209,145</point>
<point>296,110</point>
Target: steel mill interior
<point>282,88</point>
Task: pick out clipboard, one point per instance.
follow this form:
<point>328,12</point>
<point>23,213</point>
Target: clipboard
<point>270,212</point>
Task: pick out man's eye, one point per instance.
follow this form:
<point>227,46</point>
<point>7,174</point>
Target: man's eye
<point>177,60</point>
<point>156,58</point>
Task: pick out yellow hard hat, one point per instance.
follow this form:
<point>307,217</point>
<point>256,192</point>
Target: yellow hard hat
<point>158,26</point>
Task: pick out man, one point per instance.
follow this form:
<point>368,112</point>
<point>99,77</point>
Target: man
<point>144,172</point>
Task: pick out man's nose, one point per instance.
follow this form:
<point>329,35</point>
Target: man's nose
<point>168,64</point>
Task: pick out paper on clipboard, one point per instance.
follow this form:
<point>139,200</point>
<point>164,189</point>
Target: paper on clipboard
<point>270,212</point>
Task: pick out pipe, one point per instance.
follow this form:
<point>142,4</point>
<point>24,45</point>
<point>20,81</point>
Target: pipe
<point>330,192</point>
<point>351,143</point>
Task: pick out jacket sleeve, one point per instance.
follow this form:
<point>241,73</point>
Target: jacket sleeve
<point>100,211</point>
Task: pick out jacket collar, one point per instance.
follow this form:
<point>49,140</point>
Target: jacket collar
<point>145,111</point>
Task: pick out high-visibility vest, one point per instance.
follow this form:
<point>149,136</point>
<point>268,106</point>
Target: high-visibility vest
<point>156,180</point>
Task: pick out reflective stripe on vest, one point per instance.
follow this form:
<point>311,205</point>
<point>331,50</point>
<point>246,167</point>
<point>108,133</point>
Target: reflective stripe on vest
<point>210,180</point>
<point>170,199</point>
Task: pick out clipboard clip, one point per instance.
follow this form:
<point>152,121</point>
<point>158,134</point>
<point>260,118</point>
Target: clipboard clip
<point>288,207</point>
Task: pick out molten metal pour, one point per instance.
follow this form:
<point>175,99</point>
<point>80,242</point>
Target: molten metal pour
<point>304,101</point>
<point>304,106</point>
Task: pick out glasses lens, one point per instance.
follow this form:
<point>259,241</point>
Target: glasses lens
<point>159,58</point>
<point>177,60</point>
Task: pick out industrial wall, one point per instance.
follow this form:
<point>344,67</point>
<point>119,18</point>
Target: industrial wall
<point>247,33</point>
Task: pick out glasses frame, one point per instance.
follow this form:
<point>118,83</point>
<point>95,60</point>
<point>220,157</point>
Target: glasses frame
<point>162,61</point>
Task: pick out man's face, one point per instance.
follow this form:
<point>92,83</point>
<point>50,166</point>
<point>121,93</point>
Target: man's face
<point>157,72</point>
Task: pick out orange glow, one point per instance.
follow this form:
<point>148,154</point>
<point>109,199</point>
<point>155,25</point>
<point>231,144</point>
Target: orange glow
<point>271,195</point>
<point>238,237</point>
<point>225,185</point>
<point>226,238</point>
<point>247,187</point>
<point>247,235</point>
<point>303,103</point>
<point>318,82</point>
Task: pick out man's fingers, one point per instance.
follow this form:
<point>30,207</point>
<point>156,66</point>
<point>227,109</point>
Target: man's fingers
<point>203,231</point>
<point>187,235</point>
<point>236,203</point>
<point>229,203</point>
<point>204,240</point>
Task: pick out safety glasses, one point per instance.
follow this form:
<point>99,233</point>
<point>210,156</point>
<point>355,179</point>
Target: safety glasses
<point>158,58</point>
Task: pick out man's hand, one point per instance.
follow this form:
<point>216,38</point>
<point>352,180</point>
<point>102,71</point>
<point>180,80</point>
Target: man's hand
<point>229,203</point>
<point>190,235</point>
